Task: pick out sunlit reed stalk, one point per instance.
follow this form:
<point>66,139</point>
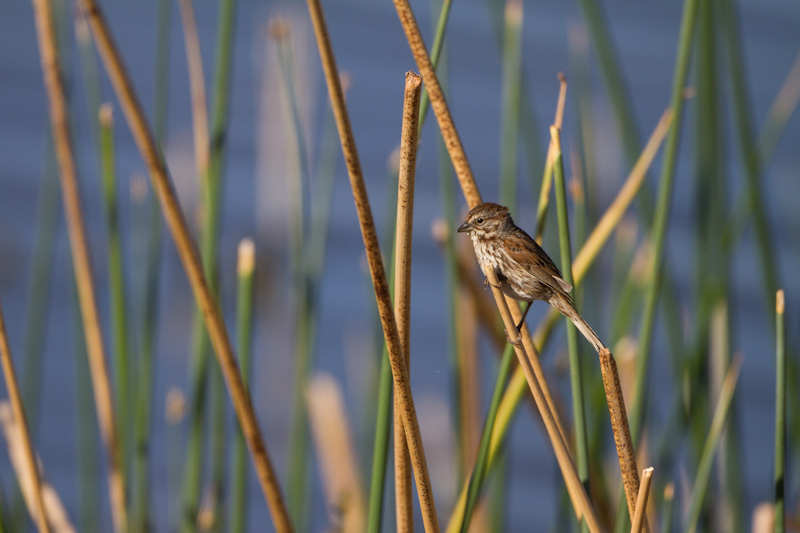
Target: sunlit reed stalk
<point>399,372</point>
<point>583,507</point>
<point>335,449</point>
<point>780,413</point>
<point>436,52</point>
<point>245,269</point>
<point>438,102</point>
<point>512,79</point>
<point>547,178</point>
<point>714,433</point>
<point>602,231</point>
<point>149,307</point>
<point>56,514</point>
<point>116,280</point>
<point>191,260</point>
<point>402,287</point>
<point>621,430</point>
<point>575,371</point>
<point>479,471</point>
<point>12,386</point>
<point>640,515</point>
<point>80,253</point>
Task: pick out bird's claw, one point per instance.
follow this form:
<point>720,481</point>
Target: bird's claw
<point>487,284</point>
<point>517,342</point>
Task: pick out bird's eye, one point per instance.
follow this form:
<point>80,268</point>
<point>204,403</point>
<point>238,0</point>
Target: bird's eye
<point>480,221</point>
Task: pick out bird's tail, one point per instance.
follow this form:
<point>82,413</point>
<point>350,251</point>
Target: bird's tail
<point>564,305</point>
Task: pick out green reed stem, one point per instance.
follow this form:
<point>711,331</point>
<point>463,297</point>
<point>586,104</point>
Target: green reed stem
<point>149,308</point>
<point>297,489</point>
<point>87,427</point>
<point>48,210</point>
<point>621,103</point>
<point>659,231</point>
<point>748,149</point>
<point>380,451</point>
<point>714,434</point>
<point>212,205</point>
<point>578,407</point>
<point>244,334</point>
<point>117,292</point>
<point>482,461</point>
<point>436,52</point>
<point>668,509</point>
<point>780,414</point>
<point>383,426</point>
<point>512,77</point>
<point>658,234</point>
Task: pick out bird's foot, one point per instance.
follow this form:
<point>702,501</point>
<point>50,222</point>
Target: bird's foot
<point>487,284</point>
<point>518,341</point>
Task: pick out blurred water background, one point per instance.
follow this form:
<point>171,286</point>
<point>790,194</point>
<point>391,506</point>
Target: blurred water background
<point>370,47</point>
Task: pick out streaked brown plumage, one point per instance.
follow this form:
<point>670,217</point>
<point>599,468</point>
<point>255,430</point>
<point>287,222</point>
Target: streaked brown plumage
<point>524,269</point>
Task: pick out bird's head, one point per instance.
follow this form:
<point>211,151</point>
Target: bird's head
<point>485,218</point>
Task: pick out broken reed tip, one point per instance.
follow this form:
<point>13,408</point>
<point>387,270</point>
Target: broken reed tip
<point>779,302</point>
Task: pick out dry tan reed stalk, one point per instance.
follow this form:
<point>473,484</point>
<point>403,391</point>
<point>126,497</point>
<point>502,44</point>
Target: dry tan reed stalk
<point>197,88</point>
<point>580,500</point>
<point>402,288</point>
<point>333,440</point>
<point>29,457</point>
<point>80,257</point>
<point>639,517</point>
<point>191,261</point>
<point>547,181</point>
<point>402,385</point>
<point>621,430</point>
<point>57,517</point>
<point>438,103</point>
<point>469,378</point>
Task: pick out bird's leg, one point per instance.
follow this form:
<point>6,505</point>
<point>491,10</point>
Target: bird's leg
<point>522,320</point>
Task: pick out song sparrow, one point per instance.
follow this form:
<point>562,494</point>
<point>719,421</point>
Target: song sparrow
<point>523,268</point>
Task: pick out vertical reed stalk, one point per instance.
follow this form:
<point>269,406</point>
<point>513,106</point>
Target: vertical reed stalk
<point>639,517</point>
<point>714,434</point>
<point>191,260</point>
<point>481,463</point>
<point>583,508</point>
<point>621,430</point>
<point>661,218</point>
<point>245,288</point>
<point>144,381</point>
<point>780,413</point>
<point>12,386</point>
<point>436,52</point>
<point>116,280</point>
<point>402,287</point>
<point>547,178</point>
<point>80,253</point>
<point>512,80</point>
<point>578,407</point>
<point>399,372</point>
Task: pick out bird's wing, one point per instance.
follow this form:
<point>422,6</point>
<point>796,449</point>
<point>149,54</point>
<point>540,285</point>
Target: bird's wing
<point>525,251</point>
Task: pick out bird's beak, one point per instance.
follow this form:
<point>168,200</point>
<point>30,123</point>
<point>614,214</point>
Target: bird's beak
<point>466,227</point>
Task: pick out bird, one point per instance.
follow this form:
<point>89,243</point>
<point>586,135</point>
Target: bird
<point>524,270</point>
